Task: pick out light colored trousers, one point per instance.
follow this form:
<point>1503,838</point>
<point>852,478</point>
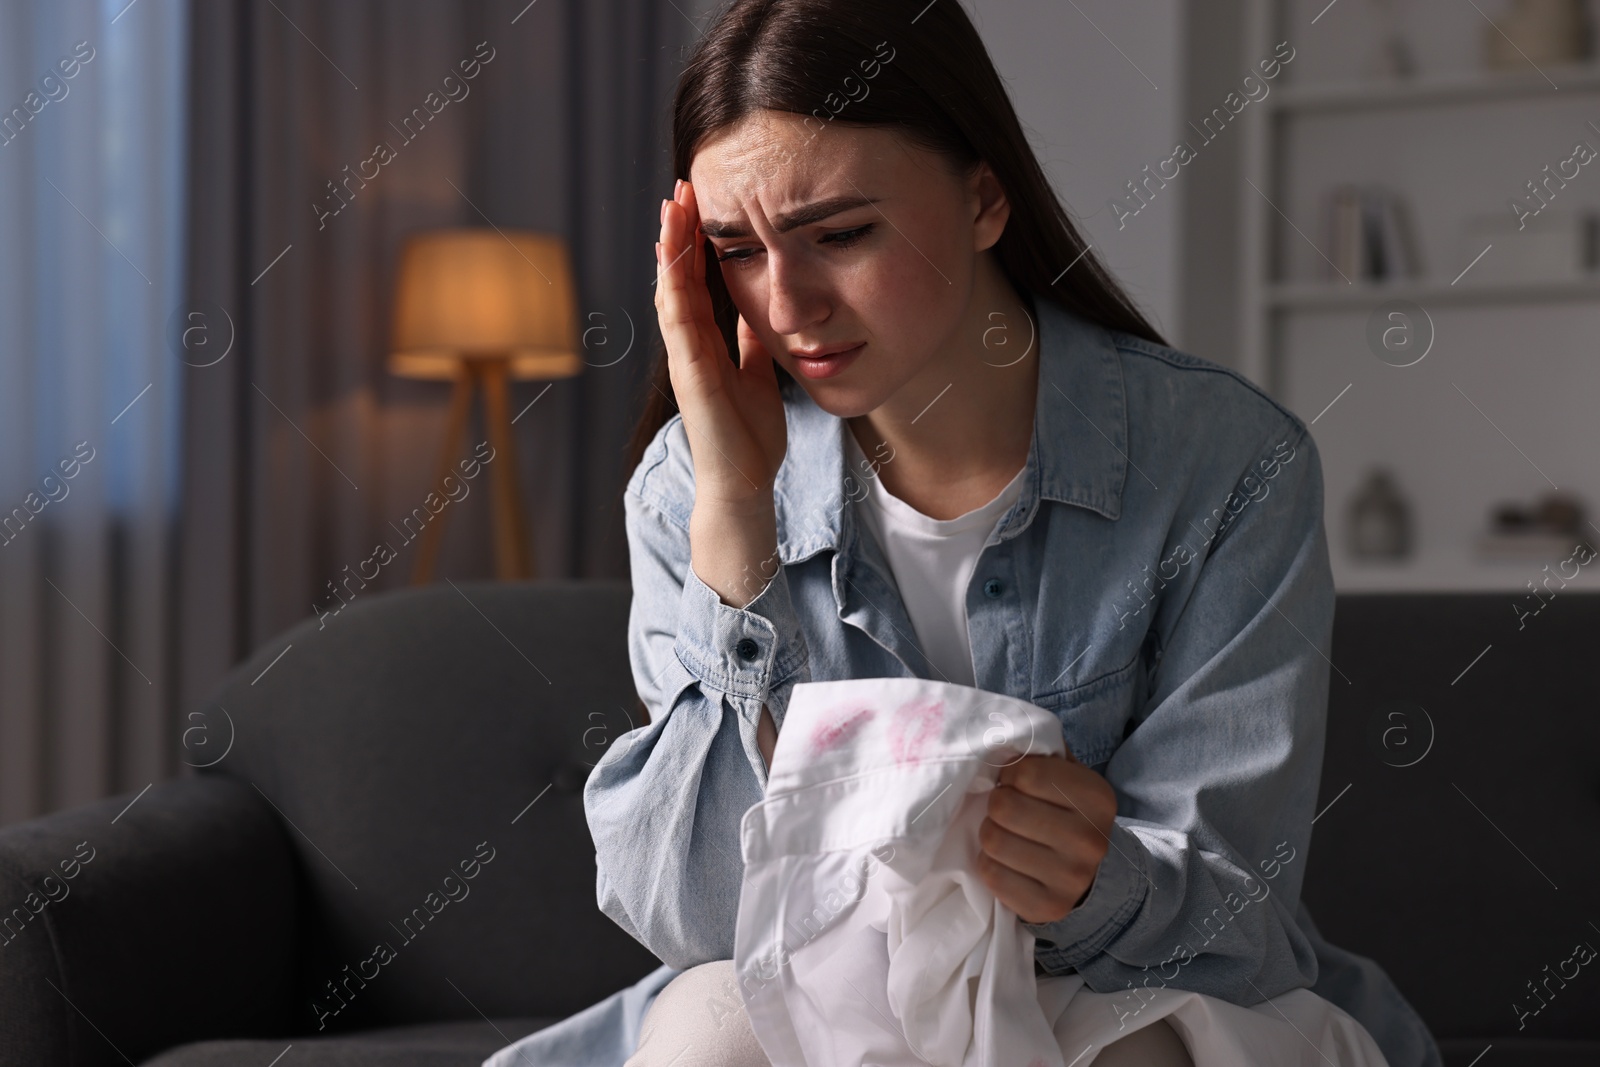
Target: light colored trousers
<point>698,1020</point>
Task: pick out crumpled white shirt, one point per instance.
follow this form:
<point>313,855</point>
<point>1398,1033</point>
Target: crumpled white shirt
<point>865,936</point>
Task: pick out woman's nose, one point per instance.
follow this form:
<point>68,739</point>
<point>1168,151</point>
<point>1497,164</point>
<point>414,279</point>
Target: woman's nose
<point>795,300</point>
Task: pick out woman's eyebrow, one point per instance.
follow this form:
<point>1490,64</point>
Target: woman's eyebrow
<point>814,212</point>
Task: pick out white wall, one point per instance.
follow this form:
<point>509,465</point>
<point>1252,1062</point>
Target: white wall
<point>1095,120</point>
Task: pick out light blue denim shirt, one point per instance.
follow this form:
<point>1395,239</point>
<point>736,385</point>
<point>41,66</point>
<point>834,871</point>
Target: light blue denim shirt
<point>1162,585</point>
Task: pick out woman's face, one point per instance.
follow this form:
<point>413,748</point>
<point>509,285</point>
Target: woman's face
<point>811,264</point>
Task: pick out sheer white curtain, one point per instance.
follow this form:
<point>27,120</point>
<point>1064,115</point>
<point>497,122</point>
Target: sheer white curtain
<point>92,120</point>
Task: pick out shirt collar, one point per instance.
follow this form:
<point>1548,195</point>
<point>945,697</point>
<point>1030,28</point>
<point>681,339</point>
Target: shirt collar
<point>1078,455</point>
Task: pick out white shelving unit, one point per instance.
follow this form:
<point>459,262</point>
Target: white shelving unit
<point>1434,91</point>
<point>1500,342</point>
<point>1278,297</point>
<point>1459,570</point>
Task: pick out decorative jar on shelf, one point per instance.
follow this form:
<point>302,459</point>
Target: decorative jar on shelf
<point>1380,519</point>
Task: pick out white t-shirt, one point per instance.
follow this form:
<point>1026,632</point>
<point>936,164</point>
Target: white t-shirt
<point>932,561</point>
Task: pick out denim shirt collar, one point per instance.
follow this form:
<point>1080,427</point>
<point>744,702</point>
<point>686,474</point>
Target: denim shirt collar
<point>1078,455</point>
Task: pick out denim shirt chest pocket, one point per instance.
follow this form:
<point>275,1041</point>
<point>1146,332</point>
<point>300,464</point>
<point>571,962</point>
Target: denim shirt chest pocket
<point>1096,715</point>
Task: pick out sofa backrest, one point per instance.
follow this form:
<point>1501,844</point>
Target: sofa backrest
<point>427,750</point>
<point>1461,855</point>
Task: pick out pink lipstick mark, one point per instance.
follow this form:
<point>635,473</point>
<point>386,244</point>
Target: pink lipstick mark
<point>916,724</point>
<point>841,725</point>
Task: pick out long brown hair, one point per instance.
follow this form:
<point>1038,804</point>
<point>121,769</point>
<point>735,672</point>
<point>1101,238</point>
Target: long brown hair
<point>938,87</point>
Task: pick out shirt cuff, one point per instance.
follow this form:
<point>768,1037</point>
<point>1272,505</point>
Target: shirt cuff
<point>754,652</point>
<point>1115,896</point>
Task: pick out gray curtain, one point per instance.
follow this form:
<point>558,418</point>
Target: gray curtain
<point>91,206</point>
<point>300,449</point>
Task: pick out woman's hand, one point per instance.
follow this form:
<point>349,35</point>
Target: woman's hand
<point>733,414</point>
<point>1048,828</point>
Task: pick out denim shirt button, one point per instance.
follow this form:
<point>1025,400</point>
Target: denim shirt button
<point>747,649</point>
<point>991,588</point>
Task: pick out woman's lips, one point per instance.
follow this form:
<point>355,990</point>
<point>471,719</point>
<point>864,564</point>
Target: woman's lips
<point>827,366</point>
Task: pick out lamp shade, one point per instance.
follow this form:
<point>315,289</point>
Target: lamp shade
<point>469,292</point>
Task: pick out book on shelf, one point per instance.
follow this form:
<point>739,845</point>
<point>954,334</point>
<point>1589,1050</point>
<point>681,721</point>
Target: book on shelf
<point>1370,236</point>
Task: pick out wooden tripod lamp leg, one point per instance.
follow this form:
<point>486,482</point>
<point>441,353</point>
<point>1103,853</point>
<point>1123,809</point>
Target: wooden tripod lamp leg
<point>433,533</point>
<point>512,551</point>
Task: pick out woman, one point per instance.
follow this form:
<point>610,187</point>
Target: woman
<point>921,431</point>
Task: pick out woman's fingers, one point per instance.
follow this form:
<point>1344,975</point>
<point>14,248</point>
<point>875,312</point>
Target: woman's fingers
<point>1032,900</point>
<point>1021,853</point>
<point>753,355</point>
<point>1038,820</point>
<point>691,204</point>
<point>700,296</point>
<point>1033,880</point>
<point>685,348</point>
<point>684,281</point>
<point>1064,782</point>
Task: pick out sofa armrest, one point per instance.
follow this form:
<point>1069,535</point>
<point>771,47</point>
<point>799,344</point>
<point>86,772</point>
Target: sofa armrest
<point>131,925</point>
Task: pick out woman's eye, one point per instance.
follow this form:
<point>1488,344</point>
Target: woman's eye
<point>844,239</point>
<point>849,237</point>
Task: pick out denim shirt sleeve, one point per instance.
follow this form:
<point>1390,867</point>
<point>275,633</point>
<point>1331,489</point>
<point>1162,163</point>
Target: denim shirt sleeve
<point>1217,784</point>
<point>665,801</point>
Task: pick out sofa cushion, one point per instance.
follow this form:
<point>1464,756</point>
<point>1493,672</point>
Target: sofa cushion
<point>453,1044</point>
<point>1509,1052</point>
<point>1458,792</point>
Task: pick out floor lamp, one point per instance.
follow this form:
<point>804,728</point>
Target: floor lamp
<point>481,308</point>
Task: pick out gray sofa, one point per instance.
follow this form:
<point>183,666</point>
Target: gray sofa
<point>408,773</point>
